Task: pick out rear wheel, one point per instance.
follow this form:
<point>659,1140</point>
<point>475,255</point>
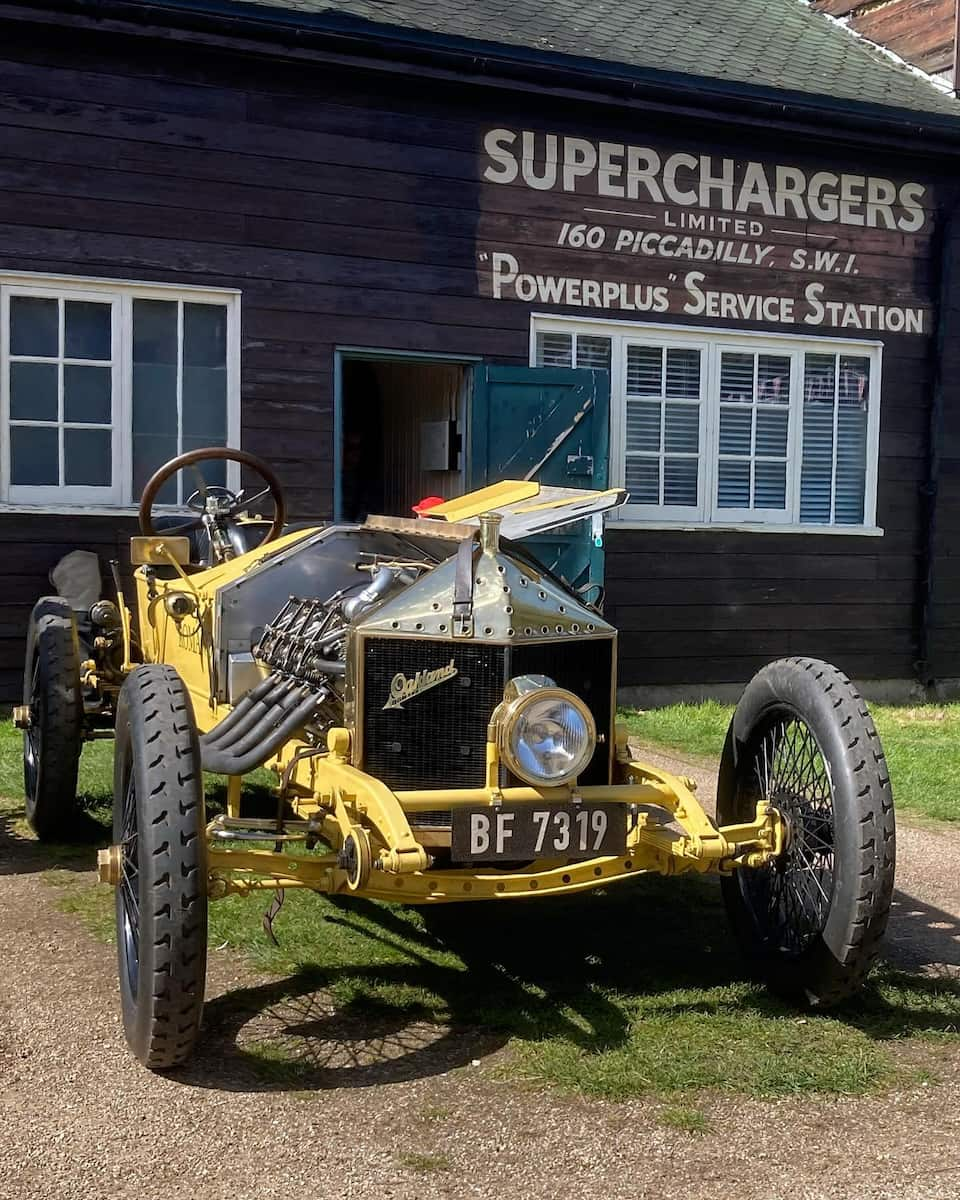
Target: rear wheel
<point>54,736</point>
<point>810,923</point>
<point>161,898</point>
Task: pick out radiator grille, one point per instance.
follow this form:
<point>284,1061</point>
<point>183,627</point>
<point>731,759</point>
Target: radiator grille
<point>437,738</point>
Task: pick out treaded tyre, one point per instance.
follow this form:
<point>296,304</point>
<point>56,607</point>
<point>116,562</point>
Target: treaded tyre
<point>161,898</point>
<point>810,923</point>
<point>54,738</point>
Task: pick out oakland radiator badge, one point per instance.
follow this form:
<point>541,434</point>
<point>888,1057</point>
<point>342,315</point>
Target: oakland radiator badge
<point>404,688</point>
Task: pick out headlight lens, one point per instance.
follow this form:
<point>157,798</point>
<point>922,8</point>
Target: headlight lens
<point>548,737</point>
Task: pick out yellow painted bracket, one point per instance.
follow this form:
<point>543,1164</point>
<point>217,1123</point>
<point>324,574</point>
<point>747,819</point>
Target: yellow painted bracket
<point>354,798</point>
<point>703,845</point>
<point>349,802</point>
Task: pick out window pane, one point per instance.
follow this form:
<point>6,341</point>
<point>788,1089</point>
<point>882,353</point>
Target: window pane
<point>154,399</point>
<point>683,374</point>
<point>554,350</point>
<point>854,382</point>
<point>682,428</point>
<point>34,456</point>
<point>33,391</point>
<point>211,472</point>
<point>87,394</point>
<point>643,480</point>
<point>819,378</point>
<point>770,485</point>
<point>643,426</point>
<point>772,432</point>
<point>773,379</point>
<point>150,452</point>
<point>680,481</point>
<point>155,331</point>
<point>154,425</point>
<point>205,405</point>
<point>736,431</point>
<point>593,352</point>
<point>644,371</point>
<point>816,468</point>
<point>87,457</point>
<point>87,330</point>
<point>34,327</point>
<point>736,377</point>
<point>733,485</point>
<point>851,465</point>
<point>204,335</point>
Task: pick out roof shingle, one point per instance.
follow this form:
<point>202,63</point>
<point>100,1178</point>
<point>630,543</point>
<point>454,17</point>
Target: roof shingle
<point>782,44</point>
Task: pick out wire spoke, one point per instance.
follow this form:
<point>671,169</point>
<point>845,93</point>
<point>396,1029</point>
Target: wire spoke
<point>790,899</point>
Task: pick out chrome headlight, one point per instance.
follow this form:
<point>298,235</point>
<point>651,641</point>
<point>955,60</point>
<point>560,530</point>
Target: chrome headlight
<point>547,735</point>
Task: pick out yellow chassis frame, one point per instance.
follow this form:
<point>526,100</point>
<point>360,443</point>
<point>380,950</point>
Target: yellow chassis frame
<point>343,801</point>
<point>343,804</point>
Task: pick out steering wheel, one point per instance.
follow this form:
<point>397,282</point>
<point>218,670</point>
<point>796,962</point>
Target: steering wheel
<point>216,507</point>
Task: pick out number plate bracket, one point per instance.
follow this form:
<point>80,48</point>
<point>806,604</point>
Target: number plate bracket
<point>521,832</point>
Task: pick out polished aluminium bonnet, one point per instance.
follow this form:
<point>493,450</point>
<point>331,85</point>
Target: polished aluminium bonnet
<point>511,602</point>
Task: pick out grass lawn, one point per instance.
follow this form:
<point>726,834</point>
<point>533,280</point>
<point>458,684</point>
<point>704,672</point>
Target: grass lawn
<point>922,746</point>
<point>633,990</point>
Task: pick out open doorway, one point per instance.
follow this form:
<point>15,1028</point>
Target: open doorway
<point>402,425</point>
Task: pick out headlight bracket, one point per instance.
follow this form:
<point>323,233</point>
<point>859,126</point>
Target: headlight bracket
<point>521,694</point>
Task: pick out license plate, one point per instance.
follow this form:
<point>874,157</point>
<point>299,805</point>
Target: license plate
<point>519,832</point>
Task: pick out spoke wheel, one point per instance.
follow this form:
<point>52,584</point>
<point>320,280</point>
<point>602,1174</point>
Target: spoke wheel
<point>811,921</point>
<point>791,897</point>
<point>128,899</point>
<point>161,896</point>
<point>54,737</point>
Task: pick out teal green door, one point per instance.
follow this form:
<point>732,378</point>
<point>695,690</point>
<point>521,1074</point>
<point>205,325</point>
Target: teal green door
<point>551,424</point>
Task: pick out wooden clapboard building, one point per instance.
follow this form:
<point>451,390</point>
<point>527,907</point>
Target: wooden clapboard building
<point>399,249</point>
<point>921,32</point>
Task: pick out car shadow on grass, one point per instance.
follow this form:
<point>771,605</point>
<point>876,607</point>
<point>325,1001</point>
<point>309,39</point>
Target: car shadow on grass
<point>921,936</point>
<point>87,829</point>
<point>90,827</point>
<point>583,976</point>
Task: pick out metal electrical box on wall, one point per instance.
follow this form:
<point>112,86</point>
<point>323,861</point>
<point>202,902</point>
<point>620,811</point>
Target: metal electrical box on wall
<point>439,446</point>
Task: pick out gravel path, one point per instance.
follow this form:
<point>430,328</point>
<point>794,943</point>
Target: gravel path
<point>79,1116</point>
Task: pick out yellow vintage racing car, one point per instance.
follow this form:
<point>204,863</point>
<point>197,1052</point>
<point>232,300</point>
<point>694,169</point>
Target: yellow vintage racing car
<point>439,712</point>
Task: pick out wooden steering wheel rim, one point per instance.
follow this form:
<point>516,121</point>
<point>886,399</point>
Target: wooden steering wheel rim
<point>203,454</point>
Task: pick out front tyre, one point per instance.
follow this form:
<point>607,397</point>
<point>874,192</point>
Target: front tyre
<point>161,899</point>
<point>54,737</point>
<point>810,923</point>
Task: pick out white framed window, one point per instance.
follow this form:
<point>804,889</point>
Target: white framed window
<point>712,427</point>
<point>102,382</point>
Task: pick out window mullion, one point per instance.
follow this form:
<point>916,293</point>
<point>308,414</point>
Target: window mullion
<point>4,393</point>
<point>122,420</point>
<point>663,423</point>
<point>836,430</point>
<point>710,399</point>
<point>795,433</point>
<point>618,411</point>
<point>61,413</point>
<point>179,395</point>
<point>753,431</point>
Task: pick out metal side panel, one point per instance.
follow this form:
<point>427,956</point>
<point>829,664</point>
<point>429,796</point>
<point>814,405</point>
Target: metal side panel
<point>316,567</point>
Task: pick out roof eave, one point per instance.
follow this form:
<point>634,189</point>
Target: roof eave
<point>386,43</point>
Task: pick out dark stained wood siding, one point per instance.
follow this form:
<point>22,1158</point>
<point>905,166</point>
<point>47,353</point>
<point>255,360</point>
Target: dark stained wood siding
<point>921,31</point>
<point>346,209</point>
<point>31,546</point>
